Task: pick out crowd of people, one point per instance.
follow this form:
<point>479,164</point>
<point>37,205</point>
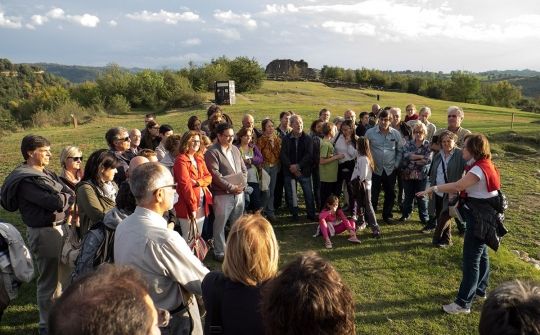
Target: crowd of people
<point>153,187</point>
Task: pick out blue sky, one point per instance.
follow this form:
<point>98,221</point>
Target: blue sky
<point>434,35</point>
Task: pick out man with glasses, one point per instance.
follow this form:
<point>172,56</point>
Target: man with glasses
<point>119,143</point>
<point>229,179</point>
<point>43,201</point>
<point>386,149</point>
<point>144,242</point>
<point>455,117</point>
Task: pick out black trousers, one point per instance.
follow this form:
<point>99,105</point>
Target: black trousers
<point>388,182</point>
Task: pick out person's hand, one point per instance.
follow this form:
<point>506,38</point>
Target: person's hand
<point>238,189</point>
<point>427,192</point>
<point>297,173</point>
<point>192,215</point>
<point>339,156</point>
<point>293,168</point>
<point>194,182</point>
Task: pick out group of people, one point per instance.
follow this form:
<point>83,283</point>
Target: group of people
<point>155,187</point>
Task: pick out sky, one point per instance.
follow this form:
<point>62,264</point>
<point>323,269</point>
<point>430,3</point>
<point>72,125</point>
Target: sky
<point>425,35</point>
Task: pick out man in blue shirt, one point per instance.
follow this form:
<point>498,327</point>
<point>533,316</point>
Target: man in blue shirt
<point>386,144</point>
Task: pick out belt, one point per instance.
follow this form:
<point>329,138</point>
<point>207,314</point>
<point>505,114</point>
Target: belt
<point>180,309</point>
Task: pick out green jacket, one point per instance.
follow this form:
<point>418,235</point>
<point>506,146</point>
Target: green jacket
<point>92,205</point>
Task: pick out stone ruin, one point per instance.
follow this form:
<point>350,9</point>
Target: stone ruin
<point>286,69</point>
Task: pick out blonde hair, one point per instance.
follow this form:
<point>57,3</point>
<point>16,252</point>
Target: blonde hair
<point>69,151</point>
<point>252,252</point>
<point>420,125</point>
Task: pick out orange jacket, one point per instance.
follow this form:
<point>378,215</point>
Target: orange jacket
<point>189,195</point>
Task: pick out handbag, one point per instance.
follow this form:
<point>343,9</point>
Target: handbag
<point>453,208</point>
<point>71,248</point>
<point>195,242</point>
<point>265,181</point>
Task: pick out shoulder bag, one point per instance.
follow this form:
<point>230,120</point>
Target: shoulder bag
<point>195,242</point>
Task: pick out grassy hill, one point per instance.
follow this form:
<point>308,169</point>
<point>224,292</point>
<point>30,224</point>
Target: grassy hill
<point>76,73</point>
<point>400,281</point>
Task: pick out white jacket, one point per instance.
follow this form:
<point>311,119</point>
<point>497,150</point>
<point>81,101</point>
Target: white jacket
<point>21,267</point>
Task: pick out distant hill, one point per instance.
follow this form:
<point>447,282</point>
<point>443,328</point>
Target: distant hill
<point>498,74</point>
<point>528,80</point>
<point>76,73</point>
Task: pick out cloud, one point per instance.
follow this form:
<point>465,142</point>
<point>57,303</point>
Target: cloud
<point>85,20</point>
<point>113,23</point>
<point>231,18</point>
<point>164,17</point>
<point>192,41</point>
<point>397,20</point>
<point>38,20</point>
<point>231,34</point>
<point>11,22</point>
<point>350,29</point>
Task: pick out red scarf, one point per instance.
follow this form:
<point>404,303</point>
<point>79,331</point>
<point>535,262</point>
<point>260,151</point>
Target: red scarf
<point>493,178</point>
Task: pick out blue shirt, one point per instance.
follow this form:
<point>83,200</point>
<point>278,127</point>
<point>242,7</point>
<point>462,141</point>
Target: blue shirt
<point>386,149</point>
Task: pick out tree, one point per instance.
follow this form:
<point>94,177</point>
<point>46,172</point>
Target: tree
<point>247,74</point>
<point>464,87</point>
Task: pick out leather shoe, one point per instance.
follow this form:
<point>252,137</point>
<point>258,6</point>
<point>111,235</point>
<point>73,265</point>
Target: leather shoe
<point>404,218</point>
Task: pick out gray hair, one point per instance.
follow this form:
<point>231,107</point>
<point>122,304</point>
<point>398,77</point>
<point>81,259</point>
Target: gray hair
<point>419,124</point>
<point>112,134</point>
<point>146,178</point>
<point>425,109</point>
<point>458,109</point>
<point>295,117</point>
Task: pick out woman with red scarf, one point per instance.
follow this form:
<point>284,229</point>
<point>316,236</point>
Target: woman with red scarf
<point>480,208</point>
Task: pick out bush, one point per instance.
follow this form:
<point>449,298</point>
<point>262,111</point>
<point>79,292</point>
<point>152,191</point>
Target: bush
<point>62,115</point>
<point>118,104</point>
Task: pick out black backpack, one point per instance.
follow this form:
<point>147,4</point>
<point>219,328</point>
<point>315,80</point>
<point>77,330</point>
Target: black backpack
<point>97,248</point>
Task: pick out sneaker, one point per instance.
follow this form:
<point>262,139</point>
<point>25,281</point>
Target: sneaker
<point>480,297</point>
<point>328,244</point>
<point>353,239</point>
<point>454,308</point>
<point>376,234</point>
<point>404,218</point>
<point>444,245</point>
<point>361,227</point>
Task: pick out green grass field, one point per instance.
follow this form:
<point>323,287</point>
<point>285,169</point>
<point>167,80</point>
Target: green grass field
<point>400,281</point>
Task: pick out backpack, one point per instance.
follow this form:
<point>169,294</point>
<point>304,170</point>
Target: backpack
<point>97,248</point>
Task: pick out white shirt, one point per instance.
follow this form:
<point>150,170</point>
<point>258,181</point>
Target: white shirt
<point>440,173</point>
<point>229,155</point>
<point>362,170</point>
<point>342,147</point>
<point>143,241</point>
<point>479,189</point>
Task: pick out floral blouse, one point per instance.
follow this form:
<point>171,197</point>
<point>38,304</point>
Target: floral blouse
<point>416,169</point>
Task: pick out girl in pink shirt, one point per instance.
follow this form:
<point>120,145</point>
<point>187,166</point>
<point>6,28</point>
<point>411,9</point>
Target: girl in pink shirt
<point>333,221</point>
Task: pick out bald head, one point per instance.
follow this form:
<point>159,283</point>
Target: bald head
<point>248,121</point>
<point>136,161</point>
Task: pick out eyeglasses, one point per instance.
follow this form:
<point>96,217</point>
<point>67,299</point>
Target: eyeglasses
<point>125,139</point>
<point>77,159</point>
<point>451,116</point>
<point>173,186</point>
<point>163,317</point>
<point>156,127</point>
<point>195,141</point>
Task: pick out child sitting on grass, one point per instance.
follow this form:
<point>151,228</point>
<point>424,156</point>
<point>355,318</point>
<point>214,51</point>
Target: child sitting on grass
<point>333,221</point>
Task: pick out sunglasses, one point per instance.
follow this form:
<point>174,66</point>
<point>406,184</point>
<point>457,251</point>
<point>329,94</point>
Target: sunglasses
<point>77,159</point>
<point>451,116</point>
<point>173,186</point>
<point>125,139</point>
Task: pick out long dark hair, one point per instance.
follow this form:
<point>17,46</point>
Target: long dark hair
<point>99,160</point>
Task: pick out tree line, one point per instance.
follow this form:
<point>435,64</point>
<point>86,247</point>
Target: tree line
<point>459,86</point>
<point>32,97</point>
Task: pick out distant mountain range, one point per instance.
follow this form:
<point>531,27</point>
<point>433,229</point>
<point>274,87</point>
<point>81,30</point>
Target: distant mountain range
<point>529,80</point>
<point>77,73</point>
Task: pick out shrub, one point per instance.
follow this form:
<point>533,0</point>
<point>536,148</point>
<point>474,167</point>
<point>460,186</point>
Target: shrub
<point>118,104</point>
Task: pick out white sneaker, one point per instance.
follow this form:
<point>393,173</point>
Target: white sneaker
<point>454,308</point>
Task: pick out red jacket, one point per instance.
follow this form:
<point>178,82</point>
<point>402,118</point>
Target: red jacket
<point>189,195</point>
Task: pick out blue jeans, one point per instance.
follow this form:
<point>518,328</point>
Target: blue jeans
<point>411,187</point>
<point>305,183</point>
<point>475,264</point>
<point>268,196</point>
